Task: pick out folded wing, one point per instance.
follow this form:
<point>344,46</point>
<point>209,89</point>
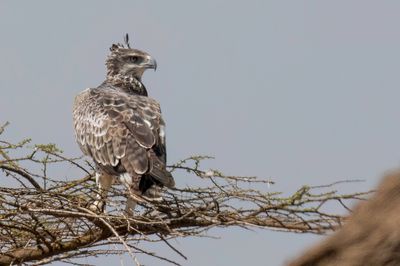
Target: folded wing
<point>122,132</point>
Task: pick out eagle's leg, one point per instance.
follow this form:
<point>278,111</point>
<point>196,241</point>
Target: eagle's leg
<point>153,193</point>
<point>131,190</point>
<point>130,206</point>
<point>104,183</point>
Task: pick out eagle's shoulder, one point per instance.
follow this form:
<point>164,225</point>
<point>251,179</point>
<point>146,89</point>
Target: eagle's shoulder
<point>81,97</point>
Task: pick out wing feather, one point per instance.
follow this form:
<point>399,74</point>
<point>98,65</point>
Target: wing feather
<point>136,159</point>
<point>113,127</point>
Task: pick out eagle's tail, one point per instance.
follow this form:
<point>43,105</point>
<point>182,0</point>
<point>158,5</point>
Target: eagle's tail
<point>156,179</point>
<point>158,173</point>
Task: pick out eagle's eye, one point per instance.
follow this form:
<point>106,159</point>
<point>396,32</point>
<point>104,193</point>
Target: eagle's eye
<point>133,59</point>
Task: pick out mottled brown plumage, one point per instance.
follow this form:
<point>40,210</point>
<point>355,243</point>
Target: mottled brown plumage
<point>120,127</point>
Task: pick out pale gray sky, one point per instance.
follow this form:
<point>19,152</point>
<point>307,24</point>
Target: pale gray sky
<point>304,92</point>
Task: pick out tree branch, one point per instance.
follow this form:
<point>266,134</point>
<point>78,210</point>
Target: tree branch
<point>40,224</point>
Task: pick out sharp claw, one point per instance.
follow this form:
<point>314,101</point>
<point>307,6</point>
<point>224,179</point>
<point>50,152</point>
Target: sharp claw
<point>97,207</point>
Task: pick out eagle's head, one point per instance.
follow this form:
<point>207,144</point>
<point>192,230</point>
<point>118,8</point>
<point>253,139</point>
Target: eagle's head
<point>128,62</point>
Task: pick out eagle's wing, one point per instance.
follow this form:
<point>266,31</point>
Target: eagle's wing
<point>117,129</point>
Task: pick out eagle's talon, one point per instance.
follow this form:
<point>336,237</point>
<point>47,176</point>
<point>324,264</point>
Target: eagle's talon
<point>128,212</point>
<point>97,206</point>
<point>153,194</point>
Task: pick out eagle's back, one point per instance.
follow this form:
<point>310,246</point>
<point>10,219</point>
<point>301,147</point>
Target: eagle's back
<point>123,133</point>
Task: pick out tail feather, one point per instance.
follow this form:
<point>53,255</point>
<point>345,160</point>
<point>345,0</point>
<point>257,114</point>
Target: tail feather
<point>159,172</point>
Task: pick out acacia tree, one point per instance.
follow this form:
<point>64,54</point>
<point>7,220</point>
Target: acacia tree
<point>45,219</point>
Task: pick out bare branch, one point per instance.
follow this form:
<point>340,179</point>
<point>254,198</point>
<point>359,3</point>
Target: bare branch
<point>42,224</point>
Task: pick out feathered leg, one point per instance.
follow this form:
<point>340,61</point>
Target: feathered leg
<point>134,192</point>
<point>130,206</point>
<point>127,181</point>
<point>104,183</point>
<point>152,194</point>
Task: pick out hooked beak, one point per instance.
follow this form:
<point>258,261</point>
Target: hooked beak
<point>151,63</point>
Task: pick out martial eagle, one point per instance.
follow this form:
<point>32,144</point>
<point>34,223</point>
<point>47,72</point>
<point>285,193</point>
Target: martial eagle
<point>122,129</point>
